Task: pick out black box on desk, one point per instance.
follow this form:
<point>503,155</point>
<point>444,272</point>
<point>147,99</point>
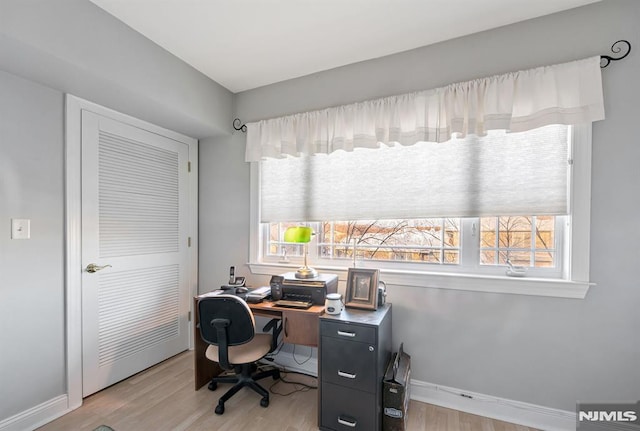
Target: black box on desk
<point>395,392</point>
<point>312,289</point>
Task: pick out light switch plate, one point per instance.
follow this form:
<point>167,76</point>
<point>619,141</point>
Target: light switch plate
<point>20,228</point>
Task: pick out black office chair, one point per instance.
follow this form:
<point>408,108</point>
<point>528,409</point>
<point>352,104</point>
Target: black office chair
<point>227,324</point>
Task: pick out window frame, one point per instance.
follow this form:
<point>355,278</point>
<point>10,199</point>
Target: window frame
<point>469,255</point>
<point>572,280</point>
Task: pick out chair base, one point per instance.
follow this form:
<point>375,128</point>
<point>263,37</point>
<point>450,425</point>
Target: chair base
<point>244,377</point>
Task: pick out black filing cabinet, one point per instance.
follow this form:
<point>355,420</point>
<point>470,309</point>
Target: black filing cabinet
<point>354,349</point>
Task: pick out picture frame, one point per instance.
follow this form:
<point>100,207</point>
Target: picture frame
<point>362,288</point>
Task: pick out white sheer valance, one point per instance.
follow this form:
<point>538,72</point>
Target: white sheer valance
<point>568,93</point>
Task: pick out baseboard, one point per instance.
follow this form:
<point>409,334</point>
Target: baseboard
<point>530,415</point>
<point>37,416</point>
<point>534,416</point>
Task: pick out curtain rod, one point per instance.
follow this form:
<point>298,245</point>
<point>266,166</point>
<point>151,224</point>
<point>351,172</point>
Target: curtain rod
<point>605,60</point>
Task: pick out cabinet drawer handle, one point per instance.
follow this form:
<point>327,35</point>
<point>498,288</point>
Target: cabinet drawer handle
<point>347,423</point>
<point>347,375</point>
<point>347,334</point>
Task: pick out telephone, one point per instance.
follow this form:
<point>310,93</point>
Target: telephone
<point>233,280</point>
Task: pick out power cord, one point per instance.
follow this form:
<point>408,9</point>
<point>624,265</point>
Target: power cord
<point>271,355</point>
<point>298,386</point>
<point>304,361</point>
<point>284,373</point>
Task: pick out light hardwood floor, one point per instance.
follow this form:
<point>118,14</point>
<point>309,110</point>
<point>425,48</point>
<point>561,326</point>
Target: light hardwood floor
<point>162,398</point>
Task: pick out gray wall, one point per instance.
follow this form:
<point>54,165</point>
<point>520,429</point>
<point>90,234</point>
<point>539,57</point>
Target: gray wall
<point>545,351</point>
<point>48,48</point>
<point>223,224</point>
<point>76,47</point>
<point>31,271</point>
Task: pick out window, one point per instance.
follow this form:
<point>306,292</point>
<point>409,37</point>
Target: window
<point>528,241</point>
<point>525,241</point>
<point>516,196</point>
<point>417,240</point>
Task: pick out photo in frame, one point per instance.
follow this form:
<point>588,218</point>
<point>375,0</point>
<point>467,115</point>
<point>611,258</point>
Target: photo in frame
<point>362,289</point>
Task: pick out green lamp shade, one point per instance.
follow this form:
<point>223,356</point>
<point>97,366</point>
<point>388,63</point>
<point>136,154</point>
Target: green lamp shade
<point>298,234</point>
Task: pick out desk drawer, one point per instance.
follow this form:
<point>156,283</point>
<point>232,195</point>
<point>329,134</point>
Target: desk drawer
<point>347,409</point>
<point>345,331</point>
<point>349,364</point>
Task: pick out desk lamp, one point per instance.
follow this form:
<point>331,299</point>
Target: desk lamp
<point>301,235</point>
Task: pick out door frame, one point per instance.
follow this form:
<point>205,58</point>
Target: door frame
<point>73,229</point>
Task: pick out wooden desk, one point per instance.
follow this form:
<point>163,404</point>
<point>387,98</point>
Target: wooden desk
<point>298,327</point>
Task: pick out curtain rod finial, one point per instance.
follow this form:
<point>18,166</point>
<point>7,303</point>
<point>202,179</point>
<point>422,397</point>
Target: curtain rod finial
<point>237,124</point>
<point>616,49</point>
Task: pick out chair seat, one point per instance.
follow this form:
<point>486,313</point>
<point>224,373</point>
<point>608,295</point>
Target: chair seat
<point>257,348</point>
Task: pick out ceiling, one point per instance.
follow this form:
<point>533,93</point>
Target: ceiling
<point>244,44</point>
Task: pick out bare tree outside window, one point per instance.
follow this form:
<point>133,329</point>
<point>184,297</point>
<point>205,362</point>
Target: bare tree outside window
<point>524,240</point>
<point>416,240</point>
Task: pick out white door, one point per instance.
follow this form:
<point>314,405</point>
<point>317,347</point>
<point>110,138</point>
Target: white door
<point>135,198</point>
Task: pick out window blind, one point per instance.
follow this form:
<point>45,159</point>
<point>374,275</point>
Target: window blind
<point>499,173</point>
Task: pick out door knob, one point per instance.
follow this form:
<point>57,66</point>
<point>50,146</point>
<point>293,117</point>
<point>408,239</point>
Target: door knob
<point>92,267</point>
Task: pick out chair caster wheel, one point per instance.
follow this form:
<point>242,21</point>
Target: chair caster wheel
<point>276,376</point>
<point>220,409</point>
<point>213,386</point>
<point>264,402</point>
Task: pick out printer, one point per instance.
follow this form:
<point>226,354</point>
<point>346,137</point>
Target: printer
<point>309,289</point>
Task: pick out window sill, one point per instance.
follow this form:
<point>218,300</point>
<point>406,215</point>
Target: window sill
<point>477,283</point>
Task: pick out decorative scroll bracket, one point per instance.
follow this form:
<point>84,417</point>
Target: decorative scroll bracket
<point>616,48</point>
<point>237,124</point>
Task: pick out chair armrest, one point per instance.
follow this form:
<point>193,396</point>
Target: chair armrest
<point>273,326</point>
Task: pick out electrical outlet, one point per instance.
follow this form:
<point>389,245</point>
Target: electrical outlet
<point>20,228</point>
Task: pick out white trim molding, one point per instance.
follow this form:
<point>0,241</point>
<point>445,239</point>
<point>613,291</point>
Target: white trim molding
<point>517,412</point>
<point>476,283</point>
<point>73,258</point>
<point>37,416</point>
<point>73,212</point>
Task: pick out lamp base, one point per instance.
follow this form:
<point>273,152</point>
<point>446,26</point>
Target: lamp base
<point>306,272</point>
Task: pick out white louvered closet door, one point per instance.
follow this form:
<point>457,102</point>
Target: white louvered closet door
<point>134,219</point>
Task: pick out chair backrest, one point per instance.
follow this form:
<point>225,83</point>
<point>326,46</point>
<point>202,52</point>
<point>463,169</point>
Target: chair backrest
<point>240,323</point>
